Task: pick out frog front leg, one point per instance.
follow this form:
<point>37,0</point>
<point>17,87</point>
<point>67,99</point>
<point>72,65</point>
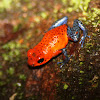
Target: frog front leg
<point>59,22</point>
<point>66,58</point>
<point>73,32</point>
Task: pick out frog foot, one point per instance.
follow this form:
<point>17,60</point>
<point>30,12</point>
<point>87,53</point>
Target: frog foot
<point>64,62</point>
<point>83,39</point>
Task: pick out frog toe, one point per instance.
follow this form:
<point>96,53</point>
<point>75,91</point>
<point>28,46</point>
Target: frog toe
<point>88,36</point>
<point>62,64</point>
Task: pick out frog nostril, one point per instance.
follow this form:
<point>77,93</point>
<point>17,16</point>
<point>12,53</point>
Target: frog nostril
<point>32,65</point>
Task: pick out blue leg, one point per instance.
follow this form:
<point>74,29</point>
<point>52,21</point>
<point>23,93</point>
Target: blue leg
<point>82,27</point>
<point>59,22</point>
<point>66,58</point>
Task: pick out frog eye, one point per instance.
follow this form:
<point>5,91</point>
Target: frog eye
<point>76,32</point>
<point>41,60</point>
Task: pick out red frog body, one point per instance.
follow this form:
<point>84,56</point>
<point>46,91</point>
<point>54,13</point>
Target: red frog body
<point>52,44</point>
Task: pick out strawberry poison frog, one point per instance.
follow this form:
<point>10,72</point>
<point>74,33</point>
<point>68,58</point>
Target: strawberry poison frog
<point>55,41</point>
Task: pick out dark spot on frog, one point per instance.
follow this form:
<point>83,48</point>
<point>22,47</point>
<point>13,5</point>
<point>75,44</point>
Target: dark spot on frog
<point>31,58</point>
<point>33,54</point>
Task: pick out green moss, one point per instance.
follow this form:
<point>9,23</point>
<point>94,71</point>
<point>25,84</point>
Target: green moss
<point>78,5</point>
<point>17,27</point>
<point>29,5</point>
<point>2,83</point>
<point>5,57</point>
<point>17,52</point>
<point>11,56</point>
<point>5,4</point>
<point>89,67</point>
<point>22,77</point>
<point>11,71</point>
<point>1,66</point>
<point>80,79</point>
<point>64,1</point>
<point>1,74</point>
<point>11,45</point>
<point>73,97</point>
<point>81,63</point>
<point>12,51</point>
<point>81,71</point>
<point>88,51</point>
<point>65,86</point>
<point>92,17</point>
<point>54,60</point>
<point>57,85</point>
<point>37,19</point>
<point>88,45</point>
<point>80,83</point>
<point>44,14</point>
<point>70,9</point>
<point>94,34</point>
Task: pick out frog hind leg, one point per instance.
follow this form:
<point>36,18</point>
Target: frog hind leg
<point>66,58</point>
<point>74,32</point>
<point>85,32</point>
<point>59,22</point>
